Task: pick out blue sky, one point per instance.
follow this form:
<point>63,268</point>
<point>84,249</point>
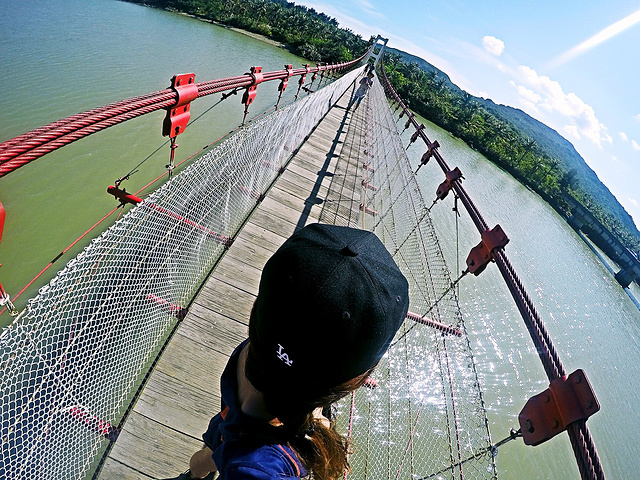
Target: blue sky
<point>574,65</point>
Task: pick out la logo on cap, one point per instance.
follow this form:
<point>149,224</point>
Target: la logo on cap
<point>283,356</point>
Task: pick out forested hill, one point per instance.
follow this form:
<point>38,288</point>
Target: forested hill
<point>532,152</point>
<point>533,143</point>
<point>555,144</point>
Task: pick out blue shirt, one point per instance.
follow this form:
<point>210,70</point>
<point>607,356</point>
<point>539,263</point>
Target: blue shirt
<point>244,447</point>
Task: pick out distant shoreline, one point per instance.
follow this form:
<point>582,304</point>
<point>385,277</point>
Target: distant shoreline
<point>253,35</point>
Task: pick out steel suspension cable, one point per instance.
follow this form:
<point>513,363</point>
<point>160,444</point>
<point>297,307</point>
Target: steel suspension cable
<point>19,151</point>
<point>581,440</point>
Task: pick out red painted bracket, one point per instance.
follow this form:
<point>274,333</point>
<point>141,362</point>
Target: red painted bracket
<point>251,91</point>
<point>408,123</point>
<point>431,148</point>
<point>3,214</point>
<point>443,327</point>
<point>95,423</point>
<point>171,308</point>
<point>482,254</point>
<point>567,400</point>
<point>123,196</point>
<point>451,176</point>
<point>285,81</point>
<point>367,210</point>
<point>368,185</point>
<point>303,77</point>
<point>416,134</point>
<point>178,115</point>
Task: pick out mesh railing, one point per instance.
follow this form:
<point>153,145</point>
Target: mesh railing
<point>423,415</point>
<point>73,360</point>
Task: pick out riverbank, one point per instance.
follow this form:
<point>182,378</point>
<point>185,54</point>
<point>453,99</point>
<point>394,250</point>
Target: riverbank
<point>253,35</point>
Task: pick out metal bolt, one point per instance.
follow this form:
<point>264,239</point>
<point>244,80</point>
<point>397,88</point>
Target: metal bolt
<point>546,399</point>
<point>578,379</point>
<point>589,404</point>
<point>529,426</point>
<point>555,423</point>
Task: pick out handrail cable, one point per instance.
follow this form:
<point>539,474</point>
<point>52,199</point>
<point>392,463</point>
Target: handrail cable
<point>19,151</point>
<point>583,446</point>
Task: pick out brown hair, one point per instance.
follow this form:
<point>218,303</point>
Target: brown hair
<point>321,450</point>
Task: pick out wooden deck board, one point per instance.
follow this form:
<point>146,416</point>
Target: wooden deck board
<point>182,393</point>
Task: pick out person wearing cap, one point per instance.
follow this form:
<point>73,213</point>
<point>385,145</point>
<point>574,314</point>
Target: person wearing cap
<point>329,303</point>
<point>365,84</point>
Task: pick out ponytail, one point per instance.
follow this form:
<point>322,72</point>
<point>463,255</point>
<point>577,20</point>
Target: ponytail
<point>321,449</point>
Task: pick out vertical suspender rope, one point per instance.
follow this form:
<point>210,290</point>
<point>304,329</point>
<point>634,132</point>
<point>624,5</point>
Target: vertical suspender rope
<point>583,446</point>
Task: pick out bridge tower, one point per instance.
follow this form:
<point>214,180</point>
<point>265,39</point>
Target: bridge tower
<point>378,50</point>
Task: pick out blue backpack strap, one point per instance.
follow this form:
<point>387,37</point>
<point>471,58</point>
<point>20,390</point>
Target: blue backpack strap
<point>293,458</point>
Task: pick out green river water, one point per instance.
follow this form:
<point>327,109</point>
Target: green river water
<point>63,57</point>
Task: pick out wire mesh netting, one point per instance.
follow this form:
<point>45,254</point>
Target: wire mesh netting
<point>73,360</point>
<point>423,414</point>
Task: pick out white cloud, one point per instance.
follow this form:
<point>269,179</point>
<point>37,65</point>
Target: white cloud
<point>623,136</point>
<point>635,145</point>
<point>369,8</point>
<point>634,202</point>
<point>637,117</point>
<point>572,131</point>
<point>553,99</point>
<point>528,94</point>
<point>602,36</point>
<point>493,45</point>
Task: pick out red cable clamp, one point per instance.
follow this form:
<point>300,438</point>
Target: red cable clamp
<point>285,81</point>
<point>370,211</point>
<point>567,400</point>
<point>250,93</point>
<point>451,176</point>
<point>303,77</point>
<point>482,254</point>
<point>178,115</point>
<point>429,153</point>
<point>415,135</point>
<point>443,327</point>
<point>408,123</point>
<point>366,184</point>
<point>123,196</point>
<point>3,214</point>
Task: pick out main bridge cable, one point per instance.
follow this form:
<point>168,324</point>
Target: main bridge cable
<point>19,151</point>
<point>584,449</point>
<point>7,303</point>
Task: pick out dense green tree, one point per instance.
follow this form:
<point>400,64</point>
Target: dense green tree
<point>310,34</point>
<point>319,38</point>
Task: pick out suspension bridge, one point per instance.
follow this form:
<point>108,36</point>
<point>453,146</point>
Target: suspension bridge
<point>112,370</point>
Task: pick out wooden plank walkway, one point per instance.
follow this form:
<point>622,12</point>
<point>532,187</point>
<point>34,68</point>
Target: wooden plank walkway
<point>183,393</point>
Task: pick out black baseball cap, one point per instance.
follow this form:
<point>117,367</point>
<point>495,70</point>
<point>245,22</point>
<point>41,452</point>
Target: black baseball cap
<point>329,304</point>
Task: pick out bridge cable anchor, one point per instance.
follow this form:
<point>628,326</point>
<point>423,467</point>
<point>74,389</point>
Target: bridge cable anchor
<point>450,177</point>
<point>431,150</point>
<point>284,82</point>
<point>567,400</point>
<point>416,134</point>
<point>251,91</point>
<point>303,78</point>
<point>178,115</point>
<point>483,253</point>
